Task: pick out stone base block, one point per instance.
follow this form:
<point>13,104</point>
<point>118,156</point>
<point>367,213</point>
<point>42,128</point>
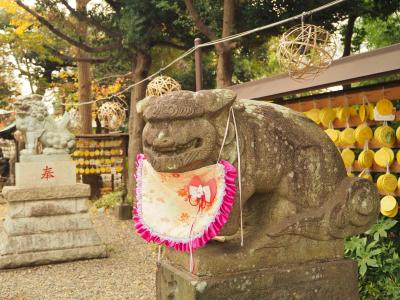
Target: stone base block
<point>47,225</point>
<point>328,280</point>
<point>52,256</point>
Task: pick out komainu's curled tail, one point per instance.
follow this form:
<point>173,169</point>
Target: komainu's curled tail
<point>354,208</point>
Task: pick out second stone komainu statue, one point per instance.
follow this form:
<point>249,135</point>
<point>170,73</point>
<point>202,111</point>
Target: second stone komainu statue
<point>298,203</point>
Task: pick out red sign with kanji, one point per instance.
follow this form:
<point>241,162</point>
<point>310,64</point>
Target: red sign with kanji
<point>47,173</point>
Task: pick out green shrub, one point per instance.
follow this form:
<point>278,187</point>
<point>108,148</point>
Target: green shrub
<point>108,200</point>
<point>128,200</point>
<point>377,255</point>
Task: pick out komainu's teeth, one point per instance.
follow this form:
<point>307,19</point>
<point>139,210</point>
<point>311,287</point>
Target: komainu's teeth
<point>176,149</point>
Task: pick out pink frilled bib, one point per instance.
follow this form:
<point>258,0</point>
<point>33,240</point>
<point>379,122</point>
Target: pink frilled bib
<point>183,210</point>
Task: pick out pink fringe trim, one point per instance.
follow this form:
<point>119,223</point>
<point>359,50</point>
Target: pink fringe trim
<point>209,233</point>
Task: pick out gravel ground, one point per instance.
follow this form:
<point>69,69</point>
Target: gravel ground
<point>129,272</point>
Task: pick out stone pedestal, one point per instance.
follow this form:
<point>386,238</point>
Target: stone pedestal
<point>329,280</point>
<point>48,224</point>
<point>45,170</point>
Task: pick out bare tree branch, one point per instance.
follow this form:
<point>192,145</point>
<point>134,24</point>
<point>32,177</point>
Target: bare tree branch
<point>194,15</point>
<point>83,17</point>
<point>63,36</point>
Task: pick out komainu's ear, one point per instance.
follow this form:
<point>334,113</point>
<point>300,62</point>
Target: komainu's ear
<point>142,104</point>
<point>215,100</point>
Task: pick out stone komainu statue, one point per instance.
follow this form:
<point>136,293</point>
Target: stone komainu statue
<point>33,121</point>
<point>295,192</point>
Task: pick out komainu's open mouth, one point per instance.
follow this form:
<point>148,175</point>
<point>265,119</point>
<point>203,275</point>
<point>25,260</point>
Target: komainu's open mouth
<point>177,149</point>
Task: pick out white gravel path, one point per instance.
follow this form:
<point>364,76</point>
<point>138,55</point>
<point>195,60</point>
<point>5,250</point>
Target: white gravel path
<point>129,272</point>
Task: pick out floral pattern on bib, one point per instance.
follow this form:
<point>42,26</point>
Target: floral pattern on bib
<point>183,210</point>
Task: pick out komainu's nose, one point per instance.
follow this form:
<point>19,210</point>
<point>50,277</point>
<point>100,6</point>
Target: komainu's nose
<point>163,140</point>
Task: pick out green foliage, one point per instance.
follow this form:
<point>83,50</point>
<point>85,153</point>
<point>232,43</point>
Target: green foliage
<point>184,73</point>
<point>128,200</point>
<point>108,200</point>
<point>377,23</point>
<point>381,33</point>
<point>377,255</point>
<point>260,63</point>
<point>28,43</point>
<point>153,22</point>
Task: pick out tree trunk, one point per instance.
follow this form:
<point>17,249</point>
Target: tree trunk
<point>225,66</point>
<point>98,125</point>
<point>347,41</point>
<point>84,81</point>
<point>348,35</point>
<point>140,71</point>
<point>224,50</point>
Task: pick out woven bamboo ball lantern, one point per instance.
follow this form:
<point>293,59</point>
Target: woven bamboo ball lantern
<point>306,50</point>
<point>161,85</point>
<point>111,115</point>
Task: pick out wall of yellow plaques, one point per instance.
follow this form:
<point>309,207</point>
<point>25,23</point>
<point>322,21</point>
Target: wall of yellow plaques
<point>102,156</point>
<point>366,130</point>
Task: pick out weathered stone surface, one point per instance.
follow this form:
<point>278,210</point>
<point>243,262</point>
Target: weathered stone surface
<point>328,280</point>
<point>16,209</point>
<point>82,205</point>
<point>217,258</point>
<point>293,179</point>
<point>298,203</point>
<point>48,241</point>
<point>43,157</point>
<point>36,125</point>
<point>33,225</point>
<point>13,193</point>
<point>47,207</point>
<point>52,256</point>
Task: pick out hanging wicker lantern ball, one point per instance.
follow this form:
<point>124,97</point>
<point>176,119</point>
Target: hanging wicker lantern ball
<point>306,50</point>
<point>161,85</point>
<point>111,115</point>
